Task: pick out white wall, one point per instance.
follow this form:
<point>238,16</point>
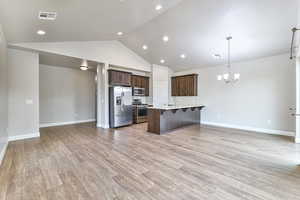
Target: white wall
<point>297,137</point>
<point>111,52</point>
<point>23,101</point>
<point>3,95</point>
<point>107,52</point>
<point>260,100</point>
<point>66,95</point>
<point>102,96</point>
<point>161,85</point>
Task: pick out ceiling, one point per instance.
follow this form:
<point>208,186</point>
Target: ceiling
<point>64,61</point>
<point>196,28</point>
<point>77,20</point>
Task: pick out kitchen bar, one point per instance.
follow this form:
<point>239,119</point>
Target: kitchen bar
<point>162,119</point>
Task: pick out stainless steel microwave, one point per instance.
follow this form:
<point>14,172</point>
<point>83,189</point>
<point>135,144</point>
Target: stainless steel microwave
<point>138,91</point>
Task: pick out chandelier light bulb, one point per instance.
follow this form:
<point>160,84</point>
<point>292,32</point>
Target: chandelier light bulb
<point>237,76</point>
<point>226,76</point>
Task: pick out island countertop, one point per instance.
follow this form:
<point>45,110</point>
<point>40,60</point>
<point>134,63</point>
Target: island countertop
<point>175,107</point>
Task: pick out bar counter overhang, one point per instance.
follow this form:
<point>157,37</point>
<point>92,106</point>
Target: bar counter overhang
<point>163,119</point>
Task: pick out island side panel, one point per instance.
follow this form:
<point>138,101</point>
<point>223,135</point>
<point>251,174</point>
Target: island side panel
<point>173,119</point>
<point>154,121</point>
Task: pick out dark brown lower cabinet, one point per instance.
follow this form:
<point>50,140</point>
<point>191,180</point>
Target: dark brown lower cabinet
<point>186,85</point>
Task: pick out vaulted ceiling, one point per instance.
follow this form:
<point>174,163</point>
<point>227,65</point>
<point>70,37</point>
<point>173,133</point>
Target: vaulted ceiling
<point>77,20</point>
<point>196,28</point>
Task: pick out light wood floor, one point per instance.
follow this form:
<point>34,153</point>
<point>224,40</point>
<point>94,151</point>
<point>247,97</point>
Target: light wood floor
<point>82,162</point>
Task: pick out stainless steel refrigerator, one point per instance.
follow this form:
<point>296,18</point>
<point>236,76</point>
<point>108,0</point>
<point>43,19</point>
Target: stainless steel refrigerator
<point>120,106</point>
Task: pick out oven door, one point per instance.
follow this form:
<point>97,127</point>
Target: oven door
<point>142,111</point>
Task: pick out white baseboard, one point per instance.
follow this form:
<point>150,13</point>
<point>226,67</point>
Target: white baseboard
<point>248,128</point>
<point>66,123</point>
<point>2,153</point>
<point>22,137</point>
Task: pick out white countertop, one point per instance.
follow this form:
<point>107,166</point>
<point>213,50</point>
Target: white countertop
<point>173,107</point>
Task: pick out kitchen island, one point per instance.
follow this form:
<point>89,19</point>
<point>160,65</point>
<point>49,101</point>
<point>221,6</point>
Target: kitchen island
<point>162,119</point>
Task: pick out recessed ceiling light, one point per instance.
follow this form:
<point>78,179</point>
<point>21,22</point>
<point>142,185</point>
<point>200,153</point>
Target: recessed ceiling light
<point>41,32</point>
<point>162,61</point>
<point>158,7</point>
<point>120,33</point>
<point>165,38</point>
<point>145,47</point>
<point>217,56</point>
<point>183,56</point>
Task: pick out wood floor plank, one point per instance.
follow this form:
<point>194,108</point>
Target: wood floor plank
<point>195,162</point>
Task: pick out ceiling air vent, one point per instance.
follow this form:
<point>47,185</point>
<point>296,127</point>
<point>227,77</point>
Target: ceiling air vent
<point>47,15</point>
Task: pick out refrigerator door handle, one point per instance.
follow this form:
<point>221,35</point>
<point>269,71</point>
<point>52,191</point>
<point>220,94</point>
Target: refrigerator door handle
<point>122,101</point>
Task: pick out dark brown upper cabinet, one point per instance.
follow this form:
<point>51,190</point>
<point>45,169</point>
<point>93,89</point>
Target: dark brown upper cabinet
<point>141,82</point>
<point>186,85</point>
<point>119,78</point>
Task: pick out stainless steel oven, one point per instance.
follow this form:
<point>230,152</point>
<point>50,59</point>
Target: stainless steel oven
<point>140,114</point>
<point>140,111</point>
<point>138,91</point>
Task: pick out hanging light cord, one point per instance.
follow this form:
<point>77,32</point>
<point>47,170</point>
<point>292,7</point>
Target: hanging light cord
<point>292,45</point>
<point>229,54</point>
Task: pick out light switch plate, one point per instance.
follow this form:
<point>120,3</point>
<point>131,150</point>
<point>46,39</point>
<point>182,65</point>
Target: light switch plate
<point>29,101</point>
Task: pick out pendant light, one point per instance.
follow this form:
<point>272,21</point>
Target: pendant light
<point>229,77</point>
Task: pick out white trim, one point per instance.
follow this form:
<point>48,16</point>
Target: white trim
<point>297,140</point>
<point>66,123</point>
<point>2,153</point>
<point>22,137</point>
<point>248,128</point>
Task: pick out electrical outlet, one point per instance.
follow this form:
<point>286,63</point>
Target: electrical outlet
<point>29,101</point>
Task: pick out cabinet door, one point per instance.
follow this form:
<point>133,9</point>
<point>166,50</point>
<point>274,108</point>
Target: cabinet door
<point>113,77</point>
<point>173,86</point>
<point>143,82</point>
<point>147,86</point>
<point>133,80</point>
<point>126,80</point>
<point>193,85</point>
<point>177,86</point>
<point>119,78</point>
<point>185,85</point>
<point>180,86</point>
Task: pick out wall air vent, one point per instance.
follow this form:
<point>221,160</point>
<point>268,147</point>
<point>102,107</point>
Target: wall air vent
<point>47,15</point>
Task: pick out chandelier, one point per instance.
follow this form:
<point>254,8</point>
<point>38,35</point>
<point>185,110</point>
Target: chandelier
<point>229,77</point>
